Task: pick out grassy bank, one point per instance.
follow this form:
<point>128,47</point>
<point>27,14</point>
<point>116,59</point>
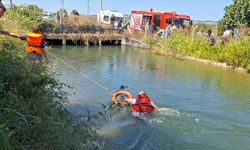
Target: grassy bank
<point>31,99</point>
<point>31,106</point>
<point>235,53</point>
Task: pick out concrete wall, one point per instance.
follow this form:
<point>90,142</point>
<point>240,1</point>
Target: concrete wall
<point>134,43</point>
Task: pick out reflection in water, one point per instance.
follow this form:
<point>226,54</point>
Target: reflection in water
<point>202,106</point>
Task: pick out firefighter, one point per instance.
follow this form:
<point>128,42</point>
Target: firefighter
<point>143,106</point>
<point>143,103</point>
<point>35,45</point>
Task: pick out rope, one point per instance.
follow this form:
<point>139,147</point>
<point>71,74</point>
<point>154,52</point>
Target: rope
<point>81,73</point>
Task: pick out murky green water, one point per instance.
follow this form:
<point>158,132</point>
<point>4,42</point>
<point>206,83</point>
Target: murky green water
<point>202,106</point>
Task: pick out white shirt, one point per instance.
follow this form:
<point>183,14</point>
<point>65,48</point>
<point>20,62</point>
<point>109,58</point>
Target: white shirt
<point>226,33</point>
<point>131,101</point>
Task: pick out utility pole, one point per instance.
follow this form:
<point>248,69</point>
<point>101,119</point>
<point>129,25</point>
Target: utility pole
<point>88,6</point>
<point>100,4</point>
<point>100,12</point>
<point>62,12</point>
<point>10,3</point>
<point>62,19</point>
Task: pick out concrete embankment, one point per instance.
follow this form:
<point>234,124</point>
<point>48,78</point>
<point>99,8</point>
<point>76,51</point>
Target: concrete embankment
<point>96,39</point>
<point>206,61</point>
<point>134,42</point>
<point>219,64</point>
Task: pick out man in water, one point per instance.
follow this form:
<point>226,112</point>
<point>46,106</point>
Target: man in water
<point>142,105</point>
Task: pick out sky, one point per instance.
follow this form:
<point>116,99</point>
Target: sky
<point>212,10</point>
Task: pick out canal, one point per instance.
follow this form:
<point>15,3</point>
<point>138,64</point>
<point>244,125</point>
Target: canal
<point>202,106</point>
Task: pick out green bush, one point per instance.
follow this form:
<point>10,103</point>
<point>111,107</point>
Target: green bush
<point>235,53</point>
<point>31,106</point>
<point>31,100</point>
<point>151,40</point>
<point>22,17</point>
<point>238,13</point>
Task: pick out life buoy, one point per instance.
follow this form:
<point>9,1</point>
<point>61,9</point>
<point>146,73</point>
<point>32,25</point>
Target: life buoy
<point>124,102</point>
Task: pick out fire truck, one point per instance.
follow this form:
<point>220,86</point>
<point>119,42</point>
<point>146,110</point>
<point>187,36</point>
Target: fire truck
<point>160,20</point>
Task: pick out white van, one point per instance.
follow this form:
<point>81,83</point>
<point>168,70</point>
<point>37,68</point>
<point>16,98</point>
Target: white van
<point>107,18</point>
<point>49,16</point>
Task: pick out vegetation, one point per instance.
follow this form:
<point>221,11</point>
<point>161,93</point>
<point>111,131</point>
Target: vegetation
<point>71,24</point>
<point>237,13</point>
<point>32,101</point>
<point>82,20</point>
<point>235,53</point>
<point>21,18</point>
<point>31,110</point>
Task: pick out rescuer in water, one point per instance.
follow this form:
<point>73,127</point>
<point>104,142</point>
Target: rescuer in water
<point>142,105</point>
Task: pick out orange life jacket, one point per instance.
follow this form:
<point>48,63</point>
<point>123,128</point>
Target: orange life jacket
<point>34,41</point>
<point>142,104</point>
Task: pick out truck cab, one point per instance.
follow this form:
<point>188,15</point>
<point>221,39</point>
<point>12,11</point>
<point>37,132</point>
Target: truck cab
<point>139,20</point>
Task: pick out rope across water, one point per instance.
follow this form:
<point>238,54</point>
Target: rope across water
<point>81,73</point>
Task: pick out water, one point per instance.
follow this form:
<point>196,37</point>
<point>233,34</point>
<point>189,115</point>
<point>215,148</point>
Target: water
<point>202,106</point>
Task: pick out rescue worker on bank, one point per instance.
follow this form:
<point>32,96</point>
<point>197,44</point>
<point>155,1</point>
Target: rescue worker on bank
<point>35,45</point>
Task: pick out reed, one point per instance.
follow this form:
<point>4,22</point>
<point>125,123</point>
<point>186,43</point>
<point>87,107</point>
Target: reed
<point>32,101</point>
<point>82,20</point>
<point>235,53</point>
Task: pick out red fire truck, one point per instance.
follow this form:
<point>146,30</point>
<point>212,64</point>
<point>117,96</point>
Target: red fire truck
<point>161,20</point>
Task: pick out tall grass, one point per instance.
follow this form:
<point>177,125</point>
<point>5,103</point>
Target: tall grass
<point>32,113</point>
<point>235,53</point>
<point>82,20</point>
<point>31,106</point>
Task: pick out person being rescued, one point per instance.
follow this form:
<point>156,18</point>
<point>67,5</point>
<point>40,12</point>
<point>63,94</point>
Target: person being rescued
<point>143,104</point>
<point>35,45</point>
<point>120,97</point>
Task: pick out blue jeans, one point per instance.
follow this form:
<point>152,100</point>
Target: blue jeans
<point>35,57</point>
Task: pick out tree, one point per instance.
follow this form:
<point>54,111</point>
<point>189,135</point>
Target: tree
<point>237,13</point>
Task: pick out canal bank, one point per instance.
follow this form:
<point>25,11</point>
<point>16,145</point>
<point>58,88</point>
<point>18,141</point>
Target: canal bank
<point>205,61</point>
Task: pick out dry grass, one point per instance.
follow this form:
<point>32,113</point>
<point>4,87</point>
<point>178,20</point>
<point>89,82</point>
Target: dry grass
<point>245,30</point>
<point>82,20</point>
